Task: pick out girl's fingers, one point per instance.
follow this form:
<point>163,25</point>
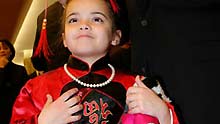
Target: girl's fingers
<point>74,118</point>
<point>49,100</point>
<point>132,105</point>
<point>138,81</point>
<point>75,109</point>
<point>72,101</point>
<point>131,97</point>
<point>64,97</point>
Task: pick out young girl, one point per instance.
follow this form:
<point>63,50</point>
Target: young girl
<point>88,89</point>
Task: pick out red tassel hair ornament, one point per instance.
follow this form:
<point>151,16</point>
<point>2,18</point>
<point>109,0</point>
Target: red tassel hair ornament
<point>43,47</point>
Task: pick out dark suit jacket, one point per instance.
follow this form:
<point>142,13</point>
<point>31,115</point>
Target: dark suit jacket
<point>12,78</point>
<point>54,37</point>
<point>180,41</point>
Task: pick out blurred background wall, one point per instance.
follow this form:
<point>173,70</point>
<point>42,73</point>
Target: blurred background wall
<point>18,22</point>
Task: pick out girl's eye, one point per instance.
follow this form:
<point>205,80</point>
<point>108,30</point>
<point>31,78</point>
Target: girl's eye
<point>72,20</point>
<point>97,19</point>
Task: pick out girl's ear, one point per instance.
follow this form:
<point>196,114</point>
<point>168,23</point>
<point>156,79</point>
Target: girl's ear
<point>64,41</point>
<point>116,38</point>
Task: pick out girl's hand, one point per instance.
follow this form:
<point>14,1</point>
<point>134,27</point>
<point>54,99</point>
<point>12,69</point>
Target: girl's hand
<point>60,111</point>
<point>141,99</point>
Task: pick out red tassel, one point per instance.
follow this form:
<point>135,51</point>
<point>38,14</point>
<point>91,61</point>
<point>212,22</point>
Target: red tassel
<point>43,46</point>
<point>114,6</point>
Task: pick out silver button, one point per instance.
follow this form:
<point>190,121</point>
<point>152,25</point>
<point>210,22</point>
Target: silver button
<point>144,22</point>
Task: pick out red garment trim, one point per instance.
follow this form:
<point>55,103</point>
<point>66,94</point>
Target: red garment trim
<point>175,118</point>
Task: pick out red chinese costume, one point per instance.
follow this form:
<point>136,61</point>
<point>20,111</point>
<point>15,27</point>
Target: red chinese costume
<point>102,105</point>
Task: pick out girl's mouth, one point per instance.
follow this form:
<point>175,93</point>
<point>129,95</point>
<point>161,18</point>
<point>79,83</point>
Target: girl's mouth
<point>84,36</point>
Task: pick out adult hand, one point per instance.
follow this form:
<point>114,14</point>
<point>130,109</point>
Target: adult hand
<point>3,61</point>
<point>61,110</point>
<point>141,99</point>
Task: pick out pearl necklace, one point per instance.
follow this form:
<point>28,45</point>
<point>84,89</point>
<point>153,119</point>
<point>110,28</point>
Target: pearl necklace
<point>91,85</point>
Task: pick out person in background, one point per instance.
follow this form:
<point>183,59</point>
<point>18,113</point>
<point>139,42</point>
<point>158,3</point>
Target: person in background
<point>179,42</point>
<point>12,78</point>
<point>88,89</point>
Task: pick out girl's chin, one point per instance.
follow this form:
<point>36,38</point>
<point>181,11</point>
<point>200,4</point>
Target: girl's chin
<point>89,54</point>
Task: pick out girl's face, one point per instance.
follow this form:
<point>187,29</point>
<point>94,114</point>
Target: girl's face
<point>88,29</point>
<point>4,50</point>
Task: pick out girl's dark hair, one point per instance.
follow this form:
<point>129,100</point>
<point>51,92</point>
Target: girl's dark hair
<point>11,47</point>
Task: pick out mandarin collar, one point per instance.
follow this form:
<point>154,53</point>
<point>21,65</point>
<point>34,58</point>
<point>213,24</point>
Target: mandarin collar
<point>77,63</point>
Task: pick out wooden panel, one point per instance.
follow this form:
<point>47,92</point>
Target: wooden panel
<point>12,14</point>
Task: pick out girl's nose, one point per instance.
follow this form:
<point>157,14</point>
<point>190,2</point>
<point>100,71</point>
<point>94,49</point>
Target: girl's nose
<point>84,27</point>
